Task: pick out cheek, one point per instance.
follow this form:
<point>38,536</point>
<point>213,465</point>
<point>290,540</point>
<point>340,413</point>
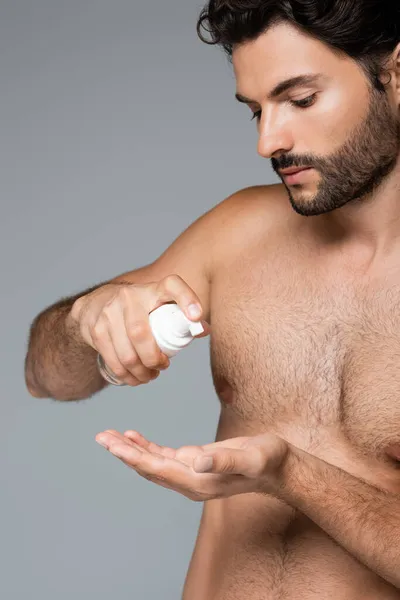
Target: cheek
<point>334,117</point>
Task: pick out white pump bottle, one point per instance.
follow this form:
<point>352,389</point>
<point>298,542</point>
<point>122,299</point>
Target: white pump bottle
<point>172,331</point>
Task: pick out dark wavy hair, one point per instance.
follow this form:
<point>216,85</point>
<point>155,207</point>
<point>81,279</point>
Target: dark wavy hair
<point>365,30</point>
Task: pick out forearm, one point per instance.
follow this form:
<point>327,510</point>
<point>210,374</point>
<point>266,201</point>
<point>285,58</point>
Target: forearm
<point>59,364</point>
<point>361,518</point>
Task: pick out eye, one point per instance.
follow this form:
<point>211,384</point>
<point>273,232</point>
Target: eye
<point>256,115</point>
<point>305,102</point>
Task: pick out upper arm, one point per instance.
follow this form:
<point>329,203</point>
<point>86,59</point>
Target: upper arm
<point>199,250</point>
<point>188,256</point>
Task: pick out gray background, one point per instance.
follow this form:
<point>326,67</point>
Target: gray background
<point>118,128</point>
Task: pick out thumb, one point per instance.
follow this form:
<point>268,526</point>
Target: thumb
<point>230,461</point>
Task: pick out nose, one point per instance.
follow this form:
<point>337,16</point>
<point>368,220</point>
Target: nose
<point>274,138</point>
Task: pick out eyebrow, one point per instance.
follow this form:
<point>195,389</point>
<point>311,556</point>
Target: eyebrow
<point>284,86</point>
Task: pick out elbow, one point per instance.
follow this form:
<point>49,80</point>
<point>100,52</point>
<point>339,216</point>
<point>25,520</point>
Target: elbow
<point>61,395</point>
<point>32,384</point>
<point>55,388</point>
<point>38,391</point>
<point>35,391</point>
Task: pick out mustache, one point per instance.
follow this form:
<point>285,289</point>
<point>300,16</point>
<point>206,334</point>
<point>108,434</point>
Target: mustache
<point>287,162</point>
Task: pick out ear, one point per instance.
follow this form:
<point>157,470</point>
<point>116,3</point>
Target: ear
<point>393,70</point>
<point>396,63</point>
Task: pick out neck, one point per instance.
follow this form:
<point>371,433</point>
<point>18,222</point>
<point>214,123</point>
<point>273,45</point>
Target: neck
<point>370,224</point>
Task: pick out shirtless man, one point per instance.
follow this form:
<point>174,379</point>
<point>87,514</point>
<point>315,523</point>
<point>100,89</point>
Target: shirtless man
<point>302,499</point>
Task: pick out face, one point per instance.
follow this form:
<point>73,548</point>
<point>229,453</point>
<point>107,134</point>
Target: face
<point>335,124</point>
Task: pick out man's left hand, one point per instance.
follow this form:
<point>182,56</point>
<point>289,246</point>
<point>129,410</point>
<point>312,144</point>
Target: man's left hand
<point>236,466</point>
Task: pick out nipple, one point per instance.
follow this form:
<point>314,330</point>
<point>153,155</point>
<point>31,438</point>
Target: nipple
<point>393,451</point>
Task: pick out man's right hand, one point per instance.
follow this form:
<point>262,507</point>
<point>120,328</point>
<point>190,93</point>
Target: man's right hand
<point>114,320</point>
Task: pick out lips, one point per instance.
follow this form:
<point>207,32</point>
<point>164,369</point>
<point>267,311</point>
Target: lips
<point>295,175</point>
<point>293,170</point>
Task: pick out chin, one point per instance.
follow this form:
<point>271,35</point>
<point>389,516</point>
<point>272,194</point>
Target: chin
<point>307,206</point>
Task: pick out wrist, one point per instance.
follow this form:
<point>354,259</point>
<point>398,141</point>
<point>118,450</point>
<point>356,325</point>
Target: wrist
<point>72,330</point>
<point>289,466</point>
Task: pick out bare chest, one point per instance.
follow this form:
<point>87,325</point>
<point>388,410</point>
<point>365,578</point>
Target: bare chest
<point>293,350</point>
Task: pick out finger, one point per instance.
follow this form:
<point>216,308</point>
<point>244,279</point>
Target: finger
<point>145,475</point>
<point>105,348</point>
<point>142,474</point>
<point>138,331</point>
<point>157,451</point>
<point>139,439</point>
<point>249,462</point>
<point>174,288</point>
<point>185,454</point>
<point>124,349</point>
<point>179,477</point>
<point>162,482</point>
<point>110,436</point>
<point>158,467</point>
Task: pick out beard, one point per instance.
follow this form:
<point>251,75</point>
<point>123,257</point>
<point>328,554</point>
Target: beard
<point>353,171</point>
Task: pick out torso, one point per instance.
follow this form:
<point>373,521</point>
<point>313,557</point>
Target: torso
<point>305,348</point>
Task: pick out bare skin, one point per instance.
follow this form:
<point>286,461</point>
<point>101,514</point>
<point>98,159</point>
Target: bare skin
<point>304,331</point>
<point>304,334</point>
<point>308,356</point>
<point>303,347</point>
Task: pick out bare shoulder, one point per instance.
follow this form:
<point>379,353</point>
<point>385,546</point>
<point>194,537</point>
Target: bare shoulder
<point>246,217</point>
<point>247,214</point>
<point>251,200</point>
